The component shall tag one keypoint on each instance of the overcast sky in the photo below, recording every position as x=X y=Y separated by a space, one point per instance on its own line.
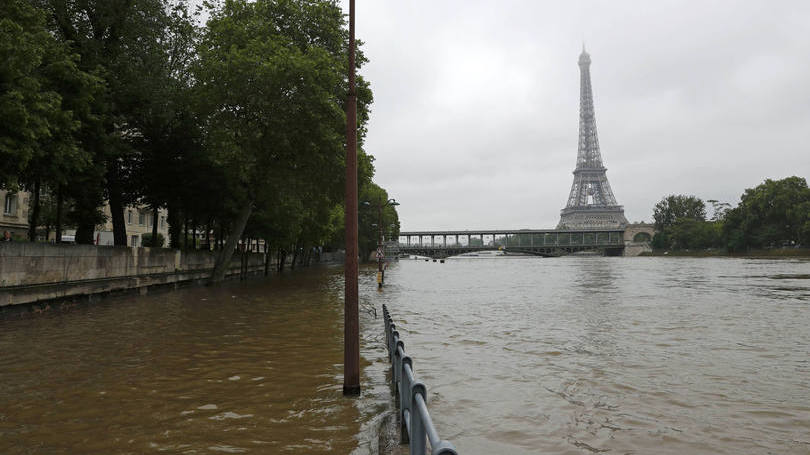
x=475 y=115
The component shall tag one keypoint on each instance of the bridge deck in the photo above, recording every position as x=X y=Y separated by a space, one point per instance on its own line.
x=546 y=242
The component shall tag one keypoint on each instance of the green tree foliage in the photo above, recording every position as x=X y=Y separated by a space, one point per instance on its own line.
x=43 y=98
x=377 y=218
x=775 y=213
x=675 y=207
x=270 y=81
x=120 y=42
x=237 y=128
x=680 y=222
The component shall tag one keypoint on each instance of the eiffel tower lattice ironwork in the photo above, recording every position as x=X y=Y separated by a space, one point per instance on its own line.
x=591 y=203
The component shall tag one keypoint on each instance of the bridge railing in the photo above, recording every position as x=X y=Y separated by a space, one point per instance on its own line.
x=416 y=426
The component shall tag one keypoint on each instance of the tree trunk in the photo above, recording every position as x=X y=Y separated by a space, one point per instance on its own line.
x=242 y=262
x=116 y=207
x=266 y=259
x=224 y=257
x=155 y=227
x=208 y=234
x=282 y=258
x=86 y=200
x=185 y=233
x=84 y=233
x=295 y=256
x=32 y=225
x=173 y=217
x=193 y=234
x=58 y=226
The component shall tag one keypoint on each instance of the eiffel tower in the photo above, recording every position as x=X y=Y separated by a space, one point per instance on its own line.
x=591 y=204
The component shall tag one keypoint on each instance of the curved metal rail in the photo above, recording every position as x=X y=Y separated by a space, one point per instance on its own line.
x=416 y=426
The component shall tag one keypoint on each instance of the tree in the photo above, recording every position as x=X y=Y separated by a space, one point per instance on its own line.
x=373 y=200
x=25 y=105
x=719 y=209
x=45 y=99
x=674 y=207
x=270 y=78
x=775 y=213
x=169 y=145
x=116 y=40
x=689 y=233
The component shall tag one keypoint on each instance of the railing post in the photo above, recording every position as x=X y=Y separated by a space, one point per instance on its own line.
x=394 y=333
x=398 y=364
x=418 y=437
x=405 y=402
x=392 y=349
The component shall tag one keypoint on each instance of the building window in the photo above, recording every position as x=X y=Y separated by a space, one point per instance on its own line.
x=129 y=216
x=134 y=242
x=10 y=207
x=141 y=218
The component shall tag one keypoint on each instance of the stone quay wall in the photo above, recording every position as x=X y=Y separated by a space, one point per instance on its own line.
x=38 y=272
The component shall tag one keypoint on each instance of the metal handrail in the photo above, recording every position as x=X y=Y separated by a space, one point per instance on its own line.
x=416 y=426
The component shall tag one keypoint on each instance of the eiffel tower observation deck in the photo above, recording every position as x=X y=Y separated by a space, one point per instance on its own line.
x=591 y=203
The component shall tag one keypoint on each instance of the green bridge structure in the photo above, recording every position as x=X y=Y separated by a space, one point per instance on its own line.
x=538 y=242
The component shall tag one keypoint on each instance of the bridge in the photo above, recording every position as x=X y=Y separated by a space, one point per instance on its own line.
x=538 y=242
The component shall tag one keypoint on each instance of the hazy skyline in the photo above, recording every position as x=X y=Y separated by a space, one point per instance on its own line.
x=475 y=115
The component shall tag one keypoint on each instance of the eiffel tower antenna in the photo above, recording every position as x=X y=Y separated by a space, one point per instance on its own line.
x=591 y=203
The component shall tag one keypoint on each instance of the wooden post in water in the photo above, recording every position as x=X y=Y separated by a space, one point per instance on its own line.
x=351 y=317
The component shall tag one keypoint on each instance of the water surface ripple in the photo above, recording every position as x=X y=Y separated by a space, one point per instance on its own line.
x=253 y=367
x=617 y=355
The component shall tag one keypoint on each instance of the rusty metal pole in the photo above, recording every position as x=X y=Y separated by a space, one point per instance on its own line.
x=351 y=318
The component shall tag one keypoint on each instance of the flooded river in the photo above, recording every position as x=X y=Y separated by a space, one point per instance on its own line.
x=520 y=356
x=616 y=355
x=252 y=367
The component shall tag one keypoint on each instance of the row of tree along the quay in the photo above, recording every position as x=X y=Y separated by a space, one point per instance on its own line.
x=236 y=127
x=772 y=218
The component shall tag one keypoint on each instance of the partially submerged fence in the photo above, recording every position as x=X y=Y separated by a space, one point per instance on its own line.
x=416 y=426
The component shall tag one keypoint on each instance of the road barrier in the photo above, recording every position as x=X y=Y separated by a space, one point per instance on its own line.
x=416 y=426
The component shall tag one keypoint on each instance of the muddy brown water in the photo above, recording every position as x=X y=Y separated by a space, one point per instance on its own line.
x=252 y=367
x=520 y=356
x=611 y=355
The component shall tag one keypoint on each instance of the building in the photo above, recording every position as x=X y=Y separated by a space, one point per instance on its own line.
x=14 y=218
x=137 y=219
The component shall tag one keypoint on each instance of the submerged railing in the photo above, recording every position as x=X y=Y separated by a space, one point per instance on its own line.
x=415 y=423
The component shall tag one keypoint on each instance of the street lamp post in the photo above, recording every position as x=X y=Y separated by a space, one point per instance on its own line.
x=351 y=312
x=381 y=240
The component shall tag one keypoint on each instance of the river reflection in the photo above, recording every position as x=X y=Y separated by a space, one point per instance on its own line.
x=619 y=355
x=252 y=367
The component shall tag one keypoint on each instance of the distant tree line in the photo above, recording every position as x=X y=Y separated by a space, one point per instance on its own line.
x=237 y=127
x=774 y=214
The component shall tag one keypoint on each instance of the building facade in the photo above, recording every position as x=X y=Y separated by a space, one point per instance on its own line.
x=14 y=217
x=137 y=219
